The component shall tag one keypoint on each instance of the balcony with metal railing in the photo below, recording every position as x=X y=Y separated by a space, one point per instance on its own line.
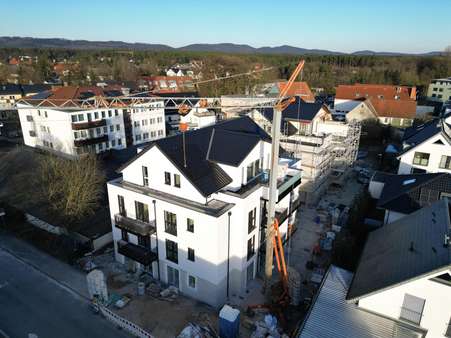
x=88 y=124
x=90 y=141
x=137 y=253
x=134 y=225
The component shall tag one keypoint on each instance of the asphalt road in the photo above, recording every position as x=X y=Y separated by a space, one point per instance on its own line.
x=31 y=302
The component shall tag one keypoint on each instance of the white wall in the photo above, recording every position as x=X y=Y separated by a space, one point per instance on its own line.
x=157 y=164
x=151 y=122
x=436 y=313
x=435 y=150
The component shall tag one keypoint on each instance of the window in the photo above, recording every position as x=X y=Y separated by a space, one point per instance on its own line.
x=172 y=251
x=124 y=235
x=190 y=225
x=160 y=133
x=98 y=131
x=109 y=113
x=421 y=159
x=100 y=146
x=119 y=142
x=167 y=178
x=116 y=112
x=29 y=118
x=138 y=137
x=111 y=128
x=118 y=127
x=251 y=220
x=152 y=121
x=105 y=129
x=170 y=223
x=136 y=124
x=145 y=176
x=412 y=309
x=32 y=133
x=113 y=143
x=142 y=211
x=250 y=247
x=253 y=169
x=191 y=282
x=103 y=114
x=145 y=136
x=81 y=117
x=445 y=162
x=176 y=180
x=191 y=255
x=74 y=118
x=144 y=122
x=153 y=134
x=159 y=119
x=96 y=115
x=45 y=114
x=89 y=116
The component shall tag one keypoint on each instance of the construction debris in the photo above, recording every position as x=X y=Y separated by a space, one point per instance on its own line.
x=170 y=293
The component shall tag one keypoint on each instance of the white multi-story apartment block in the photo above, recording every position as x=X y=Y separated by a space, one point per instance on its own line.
x=72 y=132
x=427 y=148
x=401 y=287
x=190 y=209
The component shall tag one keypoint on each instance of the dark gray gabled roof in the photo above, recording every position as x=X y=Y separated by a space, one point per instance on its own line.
x=299 y=110
x=204 y=173
x=407 y=249
x=235 y=152
x=414 y=136
x=407 y=193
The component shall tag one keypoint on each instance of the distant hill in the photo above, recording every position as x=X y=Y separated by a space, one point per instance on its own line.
x=28 y=42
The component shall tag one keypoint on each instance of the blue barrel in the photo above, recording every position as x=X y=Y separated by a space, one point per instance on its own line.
x=229 y=322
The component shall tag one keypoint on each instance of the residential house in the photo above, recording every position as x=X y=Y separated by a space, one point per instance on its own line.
x=427 y=148
x=72 y=127
x=298 y=88
x=394 y=105
x=400 y=195
x=199 y=116
x=401 y=288
x=191 y=209
x=169 y=84
x=439 y=90
x=174 y=72
x=326 y=148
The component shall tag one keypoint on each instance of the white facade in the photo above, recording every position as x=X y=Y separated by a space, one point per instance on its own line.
x=96 y=130
x=433 y=155
x=225 y=251
x=198 y=118
x=436 y=314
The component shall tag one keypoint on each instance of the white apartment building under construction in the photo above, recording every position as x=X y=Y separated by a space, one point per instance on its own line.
x=190 y=209
x=76 y=125
x=326 y=148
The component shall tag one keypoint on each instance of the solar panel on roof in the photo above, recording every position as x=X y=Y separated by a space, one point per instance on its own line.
x=42 y=95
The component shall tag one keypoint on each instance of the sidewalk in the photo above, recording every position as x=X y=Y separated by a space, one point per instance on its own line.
x=61 y=272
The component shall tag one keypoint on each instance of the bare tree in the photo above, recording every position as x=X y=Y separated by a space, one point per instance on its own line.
x=71 y=188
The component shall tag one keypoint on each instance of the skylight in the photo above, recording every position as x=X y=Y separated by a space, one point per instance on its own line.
x=407 y=182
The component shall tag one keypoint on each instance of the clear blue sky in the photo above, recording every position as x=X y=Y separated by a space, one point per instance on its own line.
x=341 y=25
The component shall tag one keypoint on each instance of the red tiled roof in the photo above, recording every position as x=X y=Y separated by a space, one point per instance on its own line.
x=298 y=88
x=361 y=91
x=395 y=108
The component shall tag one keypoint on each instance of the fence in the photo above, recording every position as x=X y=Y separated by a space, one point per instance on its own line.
x=134 y=329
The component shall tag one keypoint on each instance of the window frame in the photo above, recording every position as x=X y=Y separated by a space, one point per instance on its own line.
x=177 y=180
x=145 y=173
x=170 y=223
x=191 y=255
x=190 y=225
x=250 y=247
x=171 y=249
x=142 y=211
x=252 y=220
x=418 y=160
x=167 y=178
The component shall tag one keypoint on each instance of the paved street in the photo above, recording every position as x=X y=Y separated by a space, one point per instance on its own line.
x=31 y=302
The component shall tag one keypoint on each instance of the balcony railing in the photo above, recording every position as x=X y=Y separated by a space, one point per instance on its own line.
x=89 y=124
x=135 y=226
x=90 y=141
x=137 y=253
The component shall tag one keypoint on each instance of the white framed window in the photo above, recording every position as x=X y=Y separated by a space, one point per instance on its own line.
x=192 y=282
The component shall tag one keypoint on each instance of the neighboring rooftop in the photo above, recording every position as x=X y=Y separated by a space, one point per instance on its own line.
x=408 y=193
x=298 y=88
x=402 y=251
x=233 y=137
x=331 y=316
x=299 y=110
x=361 y=91
x=421 y=133
x=18 y=89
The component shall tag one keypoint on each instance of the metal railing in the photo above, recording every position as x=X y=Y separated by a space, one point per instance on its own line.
x=135 y=225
